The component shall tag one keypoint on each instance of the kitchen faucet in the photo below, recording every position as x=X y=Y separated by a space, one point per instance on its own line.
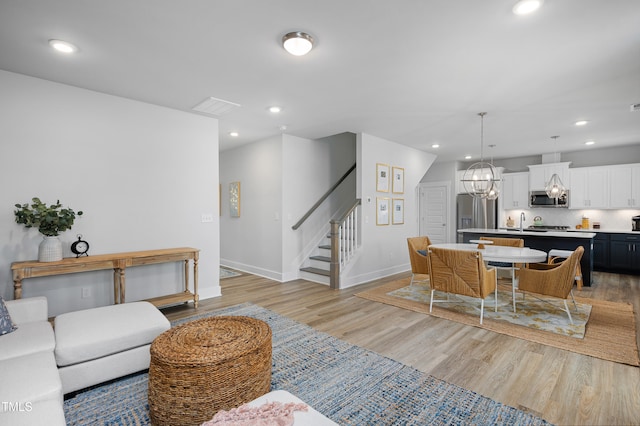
x=522 y=219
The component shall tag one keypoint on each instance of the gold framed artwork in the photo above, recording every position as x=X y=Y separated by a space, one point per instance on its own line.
x=234 y=199
x=398 y=180
x=382 y=211
x=382 y=177
x=397 y=216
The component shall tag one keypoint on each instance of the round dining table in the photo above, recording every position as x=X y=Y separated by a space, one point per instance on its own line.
x=494 y=253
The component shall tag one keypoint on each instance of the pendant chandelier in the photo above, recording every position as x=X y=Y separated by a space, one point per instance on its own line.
x=554 y=188
x=480 y=180
x=494 y=191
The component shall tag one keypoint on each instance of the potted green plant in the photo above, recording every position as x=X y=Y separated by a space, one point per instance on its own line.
x=51 y=221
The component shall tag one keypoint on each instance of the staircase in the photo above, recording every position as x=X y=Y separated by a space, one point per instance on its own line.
x=325 y=264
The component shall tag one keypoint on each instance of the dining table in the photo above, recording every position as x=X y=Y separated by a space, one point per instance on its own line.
x=505 y=254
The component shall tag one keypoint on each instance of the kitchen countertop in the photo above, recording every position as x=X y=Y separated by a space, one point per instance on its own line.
x=516 y=231
x=606 y=231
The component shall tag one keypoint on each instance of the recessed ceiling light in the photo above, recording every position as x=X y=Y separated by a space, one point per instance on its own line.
x=297 y=43
x=524 y=7
x=275 y=109
x=467 y=157
x=63 y=46
x=589 y=143
x=435 y=145
x=282 y=127
x=581 y=122
x=234 y=134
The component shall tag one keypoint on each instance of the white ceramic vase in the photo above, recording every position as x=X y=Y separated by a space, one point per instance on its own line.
x=50 y=250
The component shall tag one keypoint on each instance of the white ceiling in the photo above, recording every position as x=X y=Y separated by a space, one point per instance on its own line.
x=416 y=72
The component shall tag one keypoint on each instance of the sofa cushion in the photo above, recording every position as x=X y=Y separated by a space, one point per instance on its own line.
x=30 y=378
x=6 y=325
x=94 y=333
x=28 y=339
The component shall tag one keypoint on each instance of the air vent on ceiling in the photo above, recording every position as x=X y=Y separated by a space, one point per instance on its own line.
x=215 y=106
x=635 y=107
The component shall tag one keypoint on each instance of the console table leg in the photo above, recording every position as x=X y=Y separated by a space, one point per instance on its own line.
x=195 y=281
x=17 y=289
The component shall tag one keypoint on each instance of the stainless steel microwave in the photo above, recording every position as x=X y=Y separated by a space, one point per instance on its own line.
x=541 y=199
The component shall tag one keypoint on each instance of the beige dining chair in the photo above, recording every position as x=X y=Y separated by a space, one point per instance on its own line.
x=418 y=247
x=555 y=280
x=461 y=272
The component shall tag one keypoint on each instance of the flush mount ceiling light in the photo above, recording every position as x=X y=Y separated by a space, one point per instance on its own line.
x=63 y=46
x=297 y=43
x=525 y=7
x=480 y=180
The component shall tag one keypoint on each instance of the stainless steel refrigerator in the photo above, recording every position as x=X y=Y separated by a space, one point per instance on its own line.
x=474 y=212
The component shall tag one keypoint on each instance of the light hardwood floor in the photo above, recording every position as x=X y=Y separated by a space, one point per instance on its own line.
x=560 y=386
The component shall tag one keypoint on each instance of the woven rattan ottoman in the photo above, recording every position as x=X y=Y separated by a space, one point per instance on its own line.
x=208 y=365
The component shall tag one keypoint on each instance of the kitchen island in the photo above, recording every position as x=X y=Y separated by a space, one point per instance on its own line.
x=543 y=240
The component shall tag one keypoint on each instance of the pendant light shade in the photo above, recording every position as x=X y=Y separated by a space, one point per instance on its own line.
x=554 y=188
x=480 y=180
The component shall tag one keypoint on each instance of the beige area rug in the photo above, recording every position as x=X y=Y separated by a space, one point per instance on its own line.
x=610 y=332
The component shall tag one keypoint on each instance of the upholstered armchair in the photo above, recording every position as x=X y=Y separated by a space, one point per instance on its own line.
x=461 y=272
x=555 y=280
x=418 y=247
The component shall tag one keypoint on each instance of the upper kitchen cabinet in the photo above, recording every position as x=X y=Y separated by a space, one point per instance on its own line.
x=589 y=188
x=540 y=174
x=625 y=186
x=515 y=190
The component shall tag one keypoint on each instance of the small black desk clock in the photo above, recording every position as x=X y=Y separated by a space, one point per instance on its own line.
x=80 y=247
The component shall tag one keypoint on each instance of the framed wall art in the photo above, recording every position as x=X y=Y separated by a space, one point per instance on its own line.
x=398 y=180
x=382 y=211
x=234 y=199
x=397 y=217
x=382 y=177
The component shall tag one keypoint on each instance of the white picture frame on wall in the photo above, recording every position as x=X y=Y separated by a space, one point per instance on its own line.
x=382 y=177
x=382 y=211
x=398 y=180
x=397 y=217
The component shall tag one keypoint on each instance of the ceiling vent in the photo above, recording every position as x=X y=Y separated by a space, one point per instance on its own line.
x=635 y=107
x=214 y=106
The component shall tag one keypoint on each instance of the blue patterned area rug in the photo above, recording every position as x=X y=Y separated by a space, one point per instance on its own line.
x=349 y=384
x=228 y=273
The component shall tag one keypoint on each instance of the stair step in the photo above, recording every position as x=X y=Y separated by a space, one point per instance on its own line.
x=320 y=258
x=325 y=246
x=316 y=271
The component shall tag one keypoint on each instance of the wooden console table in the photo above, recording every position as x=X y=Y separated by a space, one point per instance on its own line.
x=118 y=262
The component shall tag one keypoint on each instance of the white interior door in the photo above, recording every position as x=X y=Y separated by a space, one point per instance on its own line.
x=434 y=211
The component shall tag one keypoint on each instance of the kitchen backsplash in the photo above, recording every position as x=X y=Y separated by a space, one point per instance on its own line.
x=609 y=219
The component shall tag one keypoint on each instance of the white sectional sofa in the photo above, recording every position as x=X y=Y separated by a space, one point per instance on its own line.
x=39 y=365
x=31 y=391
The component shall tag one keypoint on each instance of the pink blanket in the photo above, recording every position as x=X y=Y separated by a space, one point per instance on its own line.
x=267 y=414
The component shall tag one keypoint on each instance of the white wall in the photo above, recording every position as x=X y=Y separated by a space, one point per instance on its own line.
x=310 y=168
x=142 y=174
x=253 y=242
x=384 y=248
x=281 y=178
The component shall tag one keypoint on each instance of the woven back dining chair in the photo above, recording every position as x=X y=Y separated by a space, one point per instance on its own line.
x=418 y=247
x=555 y=280
x=461 y=272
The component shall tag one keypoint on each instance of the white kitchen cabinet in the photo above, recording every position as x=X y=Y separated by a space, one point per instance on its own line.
x=515 y=191
x=624 y=186
x=459 y=184
x=589 y=188
x=540 y=174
